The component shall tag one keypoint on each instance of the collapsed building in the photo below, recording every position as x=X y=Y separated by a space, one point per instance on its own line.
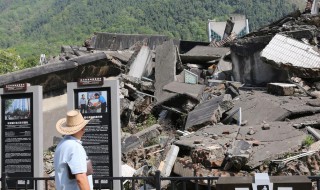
x=231 y=108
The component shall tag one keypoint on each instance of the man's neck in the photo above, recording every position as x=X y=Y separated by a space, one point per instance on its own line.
x=77 y=136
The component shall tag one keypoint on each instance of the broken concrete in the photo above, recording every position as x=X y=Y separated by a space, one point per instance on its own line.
x=274 y=143
x=111 y=41
x=165 y=71
x=166 y=166
x=254 y=102
x=193 y=90
x=141 y=66
x=209 y=136
x=281 y=89
x=210 y=156
x=137 y=140
x=203 y=54
x=299 y=58
x=206 y=113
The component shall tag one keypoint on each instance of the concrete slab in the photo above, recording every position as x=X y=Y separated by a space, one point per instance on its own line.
x=112 y=41
x=123 y=56
x=165 y=69
x=281 y=89
x=266 y=105
x=280 y=139
x=141 y=65
x=203 y=54
x=208 y=136
x=195 y=90
x=206 y=113
x=208 y=51
x=297 y=57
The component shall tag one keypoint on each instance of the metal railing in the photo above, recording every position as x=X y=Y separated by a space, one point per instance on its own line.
x=135 y=182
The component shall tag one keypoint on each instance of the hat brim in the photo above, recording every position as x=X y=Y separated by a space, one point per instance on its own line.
x=65 y=130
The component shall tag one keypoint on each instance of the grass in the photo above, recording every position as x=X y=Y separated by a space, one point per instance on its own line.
x=308 y=141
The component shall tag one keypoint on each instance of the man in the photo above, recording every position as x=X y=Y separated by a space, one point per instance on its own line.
x=83 y=103
x=70 y=153
x=101 y=102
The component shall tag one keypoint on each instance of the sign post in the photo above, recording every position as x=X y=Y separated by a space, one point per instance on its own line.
x=98 y=100
x=21 y=134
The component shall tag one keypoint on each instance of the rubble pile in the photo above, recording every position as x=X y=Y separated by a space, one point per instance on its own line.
x=230 y=111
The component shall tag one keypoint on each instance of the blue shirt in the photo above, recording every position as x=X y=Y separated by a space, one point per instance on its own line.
x=101 y=99
x=69 y=151
x=83 y=101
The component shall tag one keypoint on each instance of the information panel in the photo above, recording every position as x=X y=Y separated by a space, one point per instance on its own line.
x=94 y=104
x=17 y=137
x=98 y=100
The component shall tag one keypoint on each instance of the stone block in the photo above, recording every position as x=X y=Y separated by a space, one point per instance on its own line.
x=281 y=89
x=209 y=157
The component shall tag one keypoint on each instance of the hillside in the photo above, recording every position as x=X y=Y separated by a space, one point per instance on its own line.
x=42 y=26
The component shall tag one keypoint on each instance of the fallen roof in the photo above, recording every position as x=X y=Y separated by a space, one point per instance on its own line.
x=54 y=76
x=165 y=69
x=288 y=53
x=203 y=54
x=111 y=41
x=195 y=90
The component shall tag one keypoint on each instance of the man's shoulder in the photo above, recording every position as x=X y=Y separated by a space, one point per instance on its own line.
x=69 y=142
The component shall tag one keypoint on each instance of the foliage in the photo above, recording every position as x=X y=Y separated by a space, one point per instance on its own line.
x=10 y=61
x=151 y=142
x=309 y=140
x=151 y=120
x=8 y=103
x=34 y=27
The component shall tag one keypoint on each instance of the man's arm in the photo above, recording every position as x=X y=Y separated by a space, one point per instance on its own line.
x=82 y=181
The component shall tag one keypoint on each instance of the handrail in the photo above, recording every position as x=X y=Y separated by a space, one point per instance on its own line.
x=156 y=179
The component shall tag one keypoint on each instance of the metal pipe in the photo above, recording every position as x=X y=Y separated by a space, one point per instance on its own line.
x=313 y=132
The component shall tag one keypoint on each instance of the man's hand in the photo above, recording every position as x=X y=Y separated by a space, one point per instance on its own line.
x=82 y=181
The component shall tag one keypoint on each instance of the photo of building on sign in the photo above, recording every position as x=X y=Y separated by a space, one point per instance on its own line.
x=17 y=109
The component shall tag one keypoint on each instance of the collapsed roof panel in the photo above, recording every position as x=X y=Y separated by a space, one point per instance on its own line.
x=165 y=69
x=203 y=54
x=123 y=56
x=142 y=63
x=195 y=90
x=275 y=142
x=111 y=41
x=207 y=50
x=205 y=113
x=297 y=57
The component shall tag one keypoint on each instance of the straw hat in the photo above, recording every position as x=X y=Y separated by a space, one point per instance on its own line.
x=72 y=124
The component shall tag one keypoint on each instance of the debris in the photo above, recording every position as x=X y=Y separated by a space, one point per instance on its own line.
x=167 y=165
x=286 y=160
x=314 y=133
x=165 y=69
x=203 y=54
x=206 y=113
x=141 y=66
x=251 y=131
x=299 y=58
x=209 y=157
x=281 y=89
x=265 y=126
x=193 y=90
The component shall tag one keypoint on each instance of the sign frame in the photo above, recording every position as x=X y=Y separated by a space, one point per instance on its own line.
x=72 y=91
x=37 y=127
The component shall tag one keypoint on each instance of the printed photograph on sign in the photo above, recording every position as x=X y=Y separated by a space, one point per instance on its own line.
x=92 y=102
x=16 y=109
